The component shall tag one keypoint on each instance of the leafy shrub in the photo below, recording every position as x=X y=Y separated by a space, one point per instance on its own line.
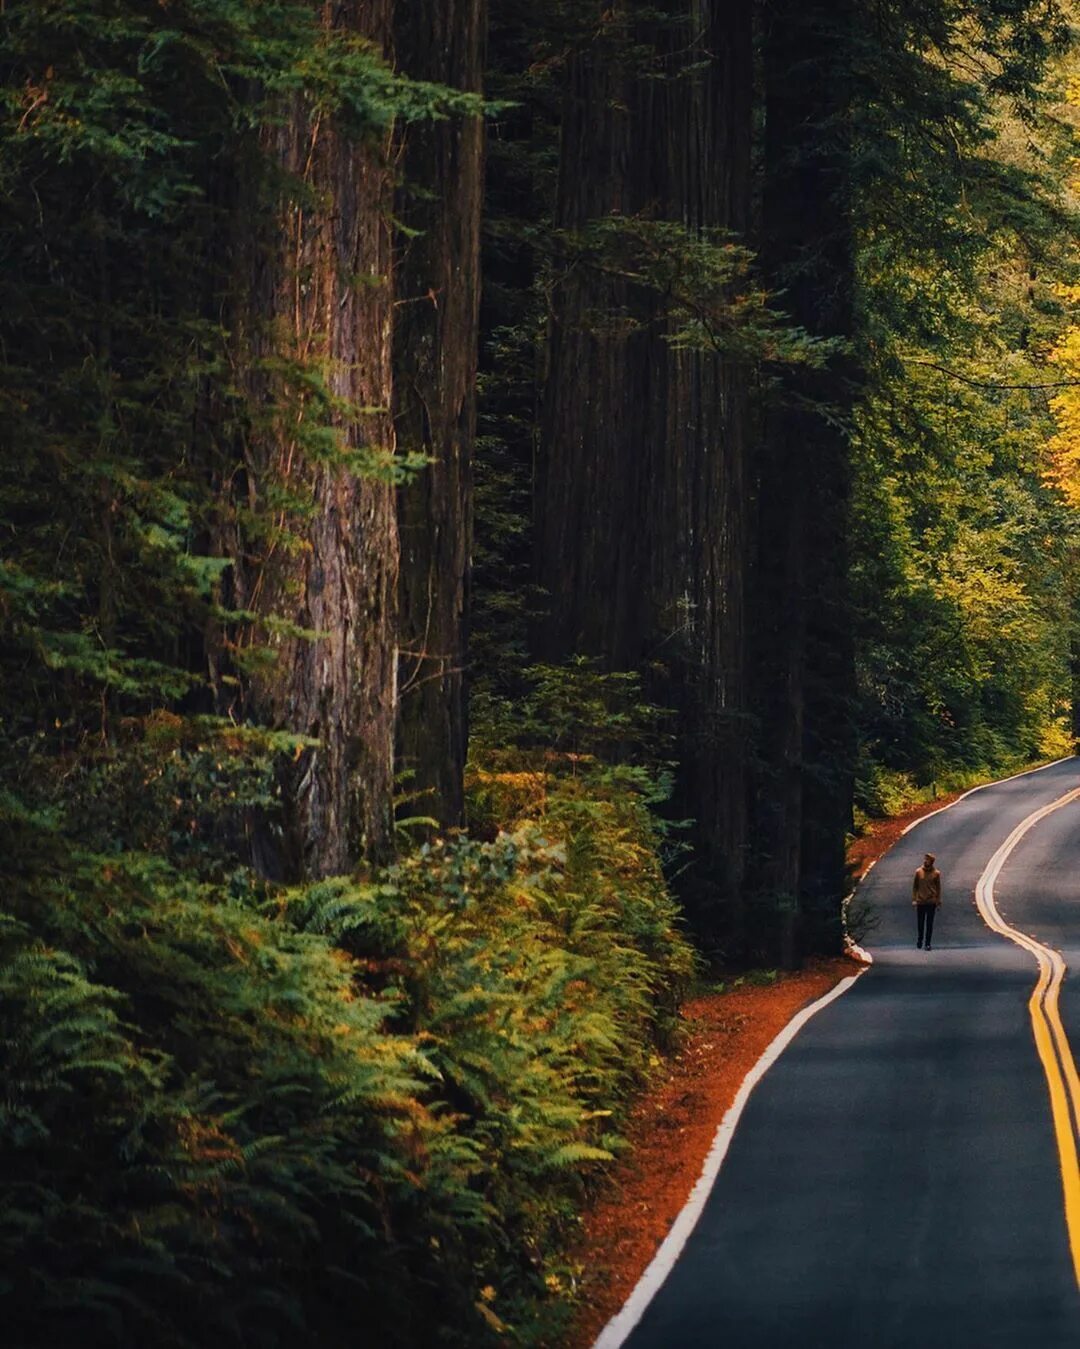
x=211 y=1135
x=536 y=976
x=244 y=1115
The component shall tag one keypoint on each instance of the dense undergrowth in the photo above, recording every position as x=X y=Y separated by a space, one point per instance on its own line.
x=881 y=792
x=237 y=1113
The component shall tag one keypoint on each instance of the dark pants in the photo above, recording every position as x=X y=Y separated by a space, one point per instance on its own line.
x=924 y=914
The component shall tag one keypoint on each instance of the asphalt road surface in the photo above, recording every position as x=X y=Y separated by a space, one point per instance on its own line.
x=895 y=1180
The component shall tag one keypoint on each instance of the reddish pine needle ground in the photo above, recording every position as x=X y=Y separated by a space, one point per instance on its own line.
x=672 y=1128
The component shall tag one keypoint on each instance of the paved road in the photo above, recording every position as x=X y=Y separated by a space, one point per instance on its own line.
x=894 y=1182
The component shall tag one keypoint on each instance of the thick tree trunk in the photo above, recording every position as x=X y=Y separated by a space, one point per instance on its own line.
x=805 y=666
x=435 y=357
x=641 y=526
x=321 y=295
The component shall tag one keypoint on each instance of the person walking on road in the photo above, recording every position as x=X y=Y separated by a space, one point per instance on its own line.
x=926 y=896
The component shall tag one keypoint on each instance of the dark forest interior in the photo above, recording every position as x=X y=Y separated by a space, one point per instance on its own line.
x=492 y=498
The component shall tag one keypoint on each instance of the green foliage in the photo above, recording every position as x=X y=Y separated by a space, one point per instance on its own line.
x=962 y=554
x=583 y=757
x=575 y=708
x=703 y=285
x=575 y=761
x=236 y=1115
x=388 y=1092
x=536 y=976
x=128 y=136
x=209 y=1133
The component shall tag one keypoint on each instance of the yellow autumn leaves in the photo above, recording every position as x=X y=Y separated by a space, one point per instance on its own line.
x=1062 y=468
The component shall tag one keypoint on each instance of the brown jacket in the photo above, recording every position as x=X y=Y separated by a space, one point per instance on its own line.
x=926 y=887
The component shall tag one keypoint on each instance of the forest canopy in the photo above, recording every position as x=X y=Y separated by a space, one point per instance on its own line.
x=490 y=500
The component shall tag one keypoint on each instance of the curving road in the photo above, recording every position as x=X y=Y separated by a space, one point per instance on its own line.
x=896 y=1180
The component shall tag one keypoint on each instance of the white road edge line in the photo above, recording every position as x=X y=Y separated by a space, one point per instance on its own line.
x=618 y=1329
x=981 y=788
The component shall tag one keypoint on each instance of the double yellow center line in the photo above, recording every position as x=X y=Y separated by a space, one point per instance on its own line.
x=1050 y=1038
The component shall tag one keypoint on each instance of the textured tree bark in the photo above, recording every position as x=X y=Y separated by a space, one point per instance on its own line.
x=435 y=359
x=805 y=662
x=642 y=507
x=321 y=293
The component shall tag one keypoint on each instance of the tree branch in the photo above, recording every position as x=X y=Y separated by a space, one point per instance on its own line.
x=995 y=384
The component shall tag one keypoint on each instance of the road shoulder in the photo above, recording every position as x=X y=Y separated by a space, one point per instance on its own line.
x=672 y=1128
